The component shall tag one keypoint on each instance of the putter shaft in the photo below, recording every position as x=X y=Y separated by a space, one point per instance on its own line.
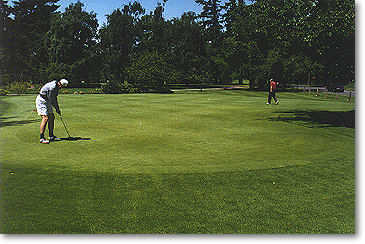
x=64 y=125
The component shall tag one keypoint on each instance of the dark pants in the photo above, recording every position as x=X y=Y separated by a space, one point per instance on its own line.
x=272 y=95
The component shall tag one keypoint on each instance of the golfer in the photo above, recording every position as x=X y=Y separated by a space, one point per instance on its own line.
x=45 y=100
x=272 y=91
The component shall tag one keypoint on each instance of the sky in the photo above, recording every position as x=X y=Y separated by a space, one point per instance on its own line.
x=173 y=8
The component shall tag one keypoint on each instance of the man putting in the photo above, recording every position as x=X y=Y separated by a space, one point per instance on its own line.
x=272 y=91
x=45 y=100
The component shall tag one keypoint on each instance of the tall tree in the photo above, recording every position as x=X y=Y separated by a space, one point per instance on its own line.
x=31 y=20
x=211 y=24
x=211 y=20
x=72 y=45
x=236 y=12
x=332 y=34
x=308 y=38
x=5 y=22
x=155 y=30
x=119 y=40
x=186 y=48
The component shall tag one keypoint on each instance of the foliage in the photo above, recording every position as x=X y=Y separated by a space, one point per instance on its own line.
x=130 y=88
x=56 y=71
x=150 y=70
x=72 y=45
x=19 y=87
x=81 y=90
x=3 y=92
x=300 y=41
x=186 y=49
x=4 y=41
x=115 y=87
x=111 y=87
x=118 y=40
x=25 y=36
x=211 y=21
x=316 y=35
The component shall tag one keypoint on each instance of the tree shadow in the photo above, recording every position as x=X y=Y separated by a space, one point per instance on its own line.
x=319 y=118
x=4 y=121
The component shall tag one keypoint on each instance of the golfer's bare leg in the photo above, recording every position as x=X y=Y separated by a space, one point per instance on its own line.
x=43 y=124
x=50 y=124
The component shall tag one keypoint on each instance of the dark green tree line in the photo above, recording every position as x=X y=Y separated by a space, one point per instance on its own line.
x=294 y=41
x=300 y=41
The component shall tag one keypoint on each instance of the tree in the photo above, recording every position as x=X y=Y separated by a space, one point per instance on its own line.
x=151 y=70
x=276 y=36
x=211 y=21
x=119 y=40
x=31 y=20
x=235 y=44
x=249 y=43
x=186 y=48
x=211 y=24
x=5 y=21
x=72 y=45
x=155 y=31
x=334 y=38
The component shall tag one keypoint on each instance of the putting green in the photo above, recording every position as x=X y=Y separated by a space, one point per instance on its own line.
x=213 y=162
x=179 y=133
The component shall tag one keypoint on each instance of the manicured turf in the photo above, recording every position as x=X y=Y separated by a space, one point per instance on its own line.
x=211 y=162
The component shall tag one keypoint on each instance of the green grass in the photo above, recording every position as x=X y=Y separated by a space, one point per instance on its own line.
x=190 y=162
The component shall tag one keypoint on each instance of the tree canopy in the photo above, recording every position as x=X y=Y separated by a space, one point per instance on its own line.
x=294 y=41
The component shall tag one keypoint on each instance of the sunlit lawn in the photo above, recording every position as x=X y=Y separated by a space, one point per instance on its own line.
x=210 y=162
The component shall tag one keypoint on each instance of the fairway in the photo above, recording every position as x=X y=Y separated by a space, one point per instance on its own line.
x=189 y=162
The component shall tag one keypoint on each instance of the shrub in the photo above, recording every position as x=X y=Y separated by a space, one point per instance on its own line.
x=111 y=87
x=96 y=91
x=150 y=70
x=3 y=92
x=115 y=87
x=19 y=87
x=129 y=88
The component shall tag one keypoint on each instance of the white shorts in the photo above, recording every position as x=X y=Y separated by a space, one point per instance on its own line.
x=43 y=107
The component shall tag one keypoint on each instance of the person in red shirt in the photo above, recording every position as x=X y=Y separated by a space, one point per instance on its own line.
x=272 y=91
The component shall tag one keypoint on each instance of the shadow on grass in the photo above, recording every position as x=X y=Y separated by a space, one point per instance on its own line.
x=60 y=200
x=75 y=139
x=4 y=121
x=320 y=118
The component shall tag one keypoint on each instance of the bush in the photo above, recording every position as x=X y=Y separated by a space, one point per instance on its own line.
x=129 y=88
x=111 y=87
x=115 y=87
x=19 y=87
x=3 y=92
x=150 y=70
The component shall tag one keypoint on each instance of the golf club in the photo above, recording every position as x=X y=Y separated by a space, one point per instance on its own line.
x=64 y=125
x=70 y=138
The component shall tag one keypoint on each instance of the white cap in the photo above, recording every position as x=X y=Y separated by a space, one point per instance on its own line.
x=64 y=82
